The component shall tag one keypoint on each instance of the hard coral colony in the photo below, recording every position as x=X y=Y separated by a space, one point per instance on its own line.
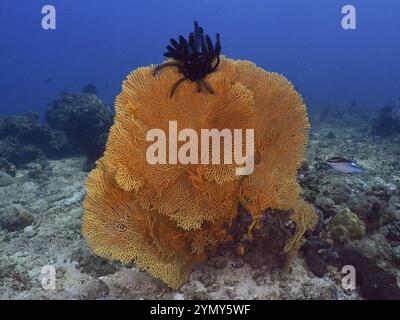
x=165 y=218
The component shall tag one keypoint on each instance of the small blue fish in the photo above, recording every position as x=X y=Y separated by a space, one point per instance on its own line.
x=344 y=165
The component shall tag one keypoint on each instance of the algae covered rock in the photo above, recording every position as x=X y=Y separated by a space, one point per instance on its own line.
x=345 y=226
x=15 y=218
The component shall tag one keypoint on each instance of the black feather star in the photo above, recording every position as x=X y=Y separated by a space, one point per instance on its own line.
x=195 y=58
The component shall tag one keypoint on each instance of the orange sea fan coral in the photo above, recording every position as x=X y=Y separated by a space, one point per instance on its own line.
x=174 y=213
x=117 y=228
x=281 y=135
x=187 y=193
x=305 y=218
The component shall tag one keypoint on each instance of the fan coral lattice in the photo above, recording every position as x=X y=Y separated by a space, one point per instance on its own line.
x=165 y=218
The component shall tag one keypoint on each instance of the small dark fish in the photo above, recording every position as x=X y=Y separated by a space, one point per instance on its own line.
x=344 y=165
x=47 y=81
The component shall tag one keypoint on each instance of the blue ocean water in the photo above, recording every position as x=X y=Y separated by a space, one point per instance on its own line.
x=100 y=42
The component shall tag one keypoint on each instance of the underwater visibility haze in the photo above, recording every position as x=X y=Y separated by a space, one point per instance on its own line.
x=114 y=179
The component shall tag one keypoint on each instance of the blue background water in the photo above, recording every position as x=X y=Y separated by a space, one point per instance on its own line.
x=101 y=41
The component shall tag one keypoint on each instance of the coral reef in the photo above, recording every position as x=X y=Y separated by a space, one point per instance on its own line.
x=18 y=153
x=165 y=218
x=252 y=270
x=24 y=139
x=20 y=126
x=345 y=226
x=201 y=228
x=372 y=198
x=84 y=119
x=75 y=123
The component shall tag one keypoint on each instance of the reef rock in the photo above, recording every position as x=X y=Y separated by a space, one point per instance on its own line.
x=85 y=120
x=374 y=281
x=346 y=225
x=318 y=254
x=24 y=139
x=19 y=153
x=15 y=218
x=17 y=125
